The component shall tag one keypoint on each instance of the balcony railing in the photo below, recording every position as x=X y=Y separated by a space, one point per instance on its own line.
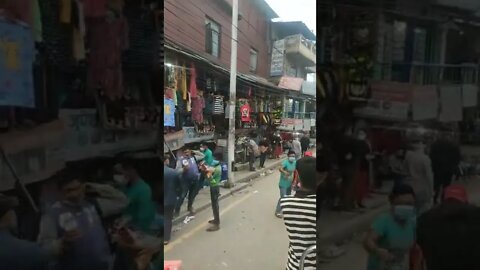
x=427 y=74
x=299 y=45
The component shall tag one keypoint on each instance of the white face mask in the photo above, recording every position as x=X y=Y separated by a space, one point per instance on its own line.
x=291 y=159
x=120 y=179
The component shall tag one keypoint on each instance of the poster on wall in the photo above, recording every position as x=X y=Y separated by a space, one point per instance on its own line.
x=425 y=103
x=451 y=103
x=16 y=65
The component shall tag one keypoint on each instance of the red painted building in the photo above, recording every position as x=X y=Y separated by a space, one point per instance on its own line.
x=204 y=27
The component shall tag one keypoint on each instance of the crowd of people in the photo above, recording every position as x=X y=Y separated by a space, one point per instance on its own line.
x=73 y=234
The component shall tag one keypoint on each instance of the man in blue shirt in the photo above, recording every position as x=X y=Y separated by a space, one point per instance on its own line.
x=190 y=175
x=16 y=254
x=171 y=190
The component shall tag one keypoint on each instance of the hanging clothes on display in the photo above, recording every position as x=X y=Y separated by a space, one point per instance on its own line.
x=107 y=39
x=193 y=82
x=16 y=65
x=245 y=112
x=168 y=113
x=198 y=104
x=183 y=83
x=218 y=106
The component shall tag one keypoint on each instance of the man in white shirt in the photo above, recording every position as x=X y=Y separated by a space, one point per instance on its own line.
x=297 y=147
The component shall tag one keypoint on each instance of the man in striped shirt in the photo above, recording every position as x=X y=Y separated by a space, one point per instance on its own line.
x=300 y=216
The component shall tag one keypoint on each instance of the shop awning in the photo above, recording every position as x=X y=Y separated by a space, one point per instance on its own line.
x=291 y=83
x=248 y=79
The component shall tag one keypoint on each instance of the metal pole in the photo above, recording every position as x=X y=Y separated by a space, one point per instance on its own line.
x=233 y=95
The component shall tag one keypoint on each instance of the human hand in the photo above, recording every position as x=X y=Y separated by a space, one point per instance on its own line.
x=71 y=236
x=384 y=255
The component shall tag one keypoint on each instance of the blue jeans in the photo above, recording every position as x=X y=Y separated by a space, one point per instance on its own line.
x=283 y=193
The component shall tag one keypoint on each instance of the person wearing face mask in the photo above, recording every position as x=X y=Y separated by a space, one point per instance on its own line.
x=213 y=175
x=208 y=158
x=17 y=254
x=420 y=175
x=391 y=237
x=286 y=178
x=141 y=209
x=74 y=226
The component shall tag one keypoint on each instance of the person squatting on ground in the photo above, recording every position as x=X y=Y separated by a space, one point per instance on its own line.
x=74 y=226
x=172 y=188
x=392 y=235
x=287 y=170
x=213 y=175
x=449 y=233
x=263 y=148
x=300 y=213
x=190 y=176
x=253 y=153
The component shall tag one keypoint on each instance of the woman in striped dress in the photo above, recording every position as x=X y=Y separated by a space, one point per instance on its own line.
x=300 y=215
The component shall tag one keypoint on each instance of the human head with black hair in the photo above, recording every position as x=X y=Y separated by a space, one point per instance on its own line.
x=306 y=168
x=402 y=200
x=127 y=170
x=72 y=185
x=291 y=156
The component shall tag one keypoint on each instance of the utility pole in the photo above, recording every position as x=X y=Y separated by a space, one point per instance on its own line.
x=233 y=95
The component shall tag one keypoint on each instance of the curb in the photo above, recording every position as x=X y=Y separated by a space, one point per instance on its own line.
x=240 y=185
x=353 y=226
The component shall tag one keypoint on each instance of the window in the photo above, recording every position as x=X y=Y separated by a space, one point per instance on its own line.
x=212 y=38
x=253 y=60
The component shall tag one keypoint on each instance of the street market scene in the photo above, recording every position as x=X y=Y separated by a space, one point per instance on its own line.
x=80 y=149
x=239 y=129
x=397 y=115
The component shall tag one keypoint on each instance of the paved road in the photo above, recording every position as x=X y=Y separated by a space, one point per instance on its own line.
x=251 y=237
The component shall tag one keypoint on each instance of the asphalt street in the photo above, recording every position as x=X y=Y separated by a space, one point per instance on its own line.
x=251 y=237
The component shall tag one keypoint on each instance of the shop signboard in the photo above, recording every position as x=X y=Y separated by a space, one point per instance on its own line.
x=85 y=138
x=276 y=68
x=291 y=124
x=384 y=110
x=35 y=156
x=291 y=83
x=191 y=136
x=391 y=91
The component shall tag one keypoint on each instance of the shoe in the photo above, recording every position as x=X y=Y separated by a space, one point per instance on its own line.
x=278 y=215
x=213 y=221
x=166 y=243
x=213 y=228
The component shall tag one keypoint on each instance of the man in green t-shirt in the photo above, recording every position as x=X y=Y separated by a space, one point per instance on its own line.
x=286 y=178
x=140 y=209
x=213 y=175
x=208 y=154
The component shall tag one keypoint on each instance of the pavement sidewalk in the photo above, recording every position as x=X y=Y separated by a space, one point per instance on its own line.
x=242 y=180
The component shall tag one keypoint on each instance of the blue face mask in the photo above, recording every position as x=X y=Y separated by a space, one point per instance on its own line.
x=404 y=212
x=291 y=159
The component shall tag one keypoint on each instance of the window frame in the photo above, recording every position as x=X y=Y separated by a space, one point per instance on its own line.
x=212 y=27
